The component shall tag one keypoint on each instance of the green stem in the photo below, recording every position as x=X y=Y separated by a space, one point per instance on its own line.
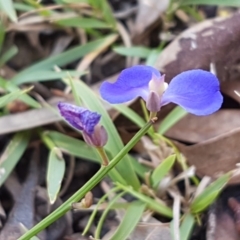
x=151 y=130
x=66 y=206
x=103 y=156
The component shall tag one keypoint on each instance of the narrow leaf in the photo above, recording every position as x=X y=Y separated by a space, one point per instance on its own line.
x=187 y=227
x=136 y=51
x=12 y=96
x=80 y=22
x=13 y=154
x=208 y=196
x=55 y=173
x=156 y=206
x=43 y=75
x=10 y=53
x=162 y=170
x=60 y=59
x=129 y=222
x=10 y=87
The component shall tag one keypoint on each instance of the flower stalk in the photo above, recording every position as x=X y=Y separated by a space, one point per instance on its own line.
x=103 y=156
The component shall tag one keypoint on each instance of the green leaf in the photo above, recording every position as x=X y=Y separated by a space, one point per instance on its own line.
x=10 y=87
x=10 y=53
x=208 y=196
x=23 y=7
x=12 y=96
x=73 y=146
x=7 y=7
x=152 y=57
x=162 y=170
x=60 y=59
x=55 y=173
x=13 y=154
x=80 y=22
x=230 y=3
x=136 y=51
x=114 y=144
x=43 y=75
x=187 y=227
x=139 y=168
x=172 y=118
x=129 y=222
x=104 y=9
x=156 y=206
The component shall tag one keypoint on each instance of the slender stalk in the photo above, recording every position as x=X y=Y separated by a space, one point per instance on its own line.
x=66 y=206
x=103 y=156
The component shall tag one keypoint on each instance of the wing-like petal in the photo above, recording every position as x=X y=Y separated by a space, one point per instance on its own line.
x=197 y=91
x=131 y=83
x=79 y=117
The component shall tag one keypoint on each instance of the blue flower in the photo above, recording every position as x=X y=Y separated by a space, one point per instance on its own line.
x=197 y=91
x=86 y=121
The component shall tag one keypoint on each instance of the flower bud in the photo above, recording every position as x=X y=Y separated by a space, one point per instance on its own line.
x=98 y=138
x=153 y=102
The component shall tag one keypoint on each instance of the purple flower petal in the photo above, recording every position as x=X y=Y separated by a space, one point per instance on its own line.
x=131 y=83
x=79 y=117
x=197 y=91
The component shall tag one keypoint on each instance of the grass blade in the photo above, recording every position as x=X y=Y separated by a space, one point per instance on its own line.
x=43 y=75
x=10 y=87
x=80 y=22
x=208 y=196
x=187 y=226
x=136 y=51
x=162 y=170
x=12 y=96
x=60 y=59
x=10 y=53
x=129 y=222
x=13 y=154
x=152 y=204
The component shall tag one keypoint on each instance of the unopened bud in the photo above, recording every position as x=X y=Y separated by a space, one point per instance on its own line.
x=98 y=138
x=153 y=102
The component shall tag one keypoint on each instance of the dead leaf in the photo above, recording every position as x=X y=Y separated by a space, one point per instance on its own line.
x=230 y=88
x=222 y=223
x=151 y=230
x=211 y=41
x=197 y=129
x=215 y=156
